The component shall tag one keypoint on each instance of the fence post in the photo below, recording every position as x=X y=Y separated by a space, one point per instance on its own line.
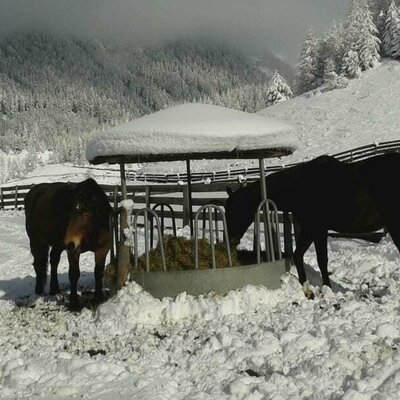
x=147 y=190
x=1 y=199
x=287 y=239
x=186 y=211
x=16 y=198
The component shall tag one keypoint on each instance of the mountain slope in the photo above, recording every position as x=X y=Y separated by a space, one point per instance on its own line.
x=364 y=112
x=54 y=91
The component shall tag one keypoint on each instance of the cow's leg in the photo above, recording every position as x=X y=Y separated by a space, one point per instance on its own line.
x=73 y=274
x=40 y=254
x=100 y=260
x=303 y=242
x=55 y=254
x=394 y=234
x=321 y=247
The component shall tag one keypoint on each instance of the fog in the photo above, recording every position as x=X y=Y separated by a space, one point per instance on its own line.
x=250 y=25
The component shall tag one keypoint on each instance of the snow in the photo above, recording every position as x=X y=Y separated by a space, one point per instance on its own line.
x=192 y=128
x=252 y=343
x=330 y=122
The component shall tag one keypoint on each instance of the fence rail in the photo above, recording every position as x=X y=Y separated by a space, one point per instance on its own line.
x=175 y=194
x=356 y=154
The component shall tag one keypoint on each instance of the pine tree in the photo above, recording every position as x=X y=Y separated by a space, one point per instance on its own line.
x=332 y=47
x=309 y=74
x=330 y=76
x=369 y=42
x=391 y=33
x=361 y=43
x=351 y=64
x=278 y=90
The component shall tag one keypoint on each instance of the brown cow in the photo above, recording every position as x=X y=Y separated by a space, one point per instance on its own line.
x=72 y=217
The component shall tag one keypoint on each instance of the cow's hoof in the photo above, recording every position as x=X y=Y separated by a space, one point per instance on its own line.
x=99 y=297
x=54 y=292
x=39 y=290
x=74 y=304
x=308 y=291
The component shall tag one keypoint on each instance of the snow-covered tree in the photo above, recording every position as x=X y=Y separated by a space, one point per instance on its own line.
x=332 y=47
x=278 y=90
x=309 y=73
x=351 y=64
x=369 y=42
x=361 y=43
x=391 y=32
x=330 y=76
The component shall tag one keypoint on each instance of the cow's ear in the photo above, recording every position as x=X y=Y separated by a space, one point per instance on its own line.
x=229 y=190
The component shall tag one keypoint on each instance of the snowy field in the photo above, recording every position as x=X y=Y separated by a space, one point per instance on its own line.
x=250 y=344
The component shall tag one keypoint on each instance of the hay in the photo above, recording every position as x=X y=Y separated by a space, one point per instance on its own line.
x=179 y=255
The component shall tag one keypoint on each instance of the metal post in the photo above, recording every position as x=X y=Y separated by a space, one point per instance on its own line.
x=267 y=222
x=190 y=206
x=288 y=242
x=16 y=198
x=123 y=251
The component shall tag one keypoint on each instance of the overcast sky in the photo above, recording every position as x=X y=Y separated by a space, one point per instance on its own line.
x=252 y=25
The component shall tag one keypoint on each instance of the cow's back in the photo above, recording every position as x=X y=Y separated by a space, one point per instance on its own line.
x=46 y=209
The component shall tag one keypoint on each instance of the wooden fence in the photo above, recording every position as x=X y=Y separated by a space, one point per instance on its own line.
x=177 y=196
x=356 y=154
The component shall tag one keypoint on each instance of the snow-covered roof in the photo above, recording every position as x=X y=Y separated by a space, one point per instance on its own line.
x=192 y=131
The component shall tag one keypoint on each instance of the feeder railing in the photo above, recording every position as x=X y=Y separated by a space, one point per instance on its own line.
x=210 y=208
x=217 y=202
x=145 y=212
x=162 y=218
x=272 y=245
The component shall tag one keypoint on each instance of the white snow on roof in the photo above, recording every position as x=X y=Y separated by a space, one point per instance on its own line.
x=192 y=128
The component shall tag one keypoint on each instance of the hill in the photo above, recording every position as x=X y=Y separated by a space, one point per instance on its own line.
x=364 y=112
x=55 y=91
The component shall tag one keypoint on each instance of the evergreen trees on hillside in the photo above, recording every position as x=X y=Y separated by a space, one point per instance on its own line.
x=278 y=90
x=371 y=30
x=55 y=92
x=309 y=68
x=391 y=32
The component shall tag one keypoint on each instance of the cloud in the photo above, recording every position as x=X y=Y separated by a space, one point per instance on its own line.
x=249 y=24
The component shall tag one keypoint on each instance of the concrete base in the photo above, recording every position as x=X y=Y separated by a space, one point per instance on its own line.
x=221 y=280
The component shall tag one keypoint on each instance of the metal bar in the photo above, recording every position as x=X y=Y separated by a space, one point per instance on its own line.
x=162 y=219
x=277 y=234
x=145 y=212
x=123 y=181
x=211 y=228
x=216 y=225
x=111 y=230
x=135 y=239
x=196 y=241
x=257 y=240
x=267 y=220
x=146 y=239
x=123 y=251
x=228 y=247
x=204 y=224
x=201 y=210
x=189 y=184
x=16 y=198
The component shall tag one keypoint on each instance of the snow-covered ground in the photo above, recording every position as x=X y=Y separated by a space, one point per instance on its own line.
x=365 y=112
x=250 y=344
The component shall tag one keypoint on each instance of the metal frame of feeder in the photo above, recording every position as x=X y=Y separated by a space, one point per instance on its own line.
x=145 y=212
x=266 y=273
x=210 y=208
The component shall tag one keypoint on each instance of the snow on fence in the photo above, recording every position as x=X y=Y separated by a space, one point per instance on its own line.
x=356 y=154
x=176 y=195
